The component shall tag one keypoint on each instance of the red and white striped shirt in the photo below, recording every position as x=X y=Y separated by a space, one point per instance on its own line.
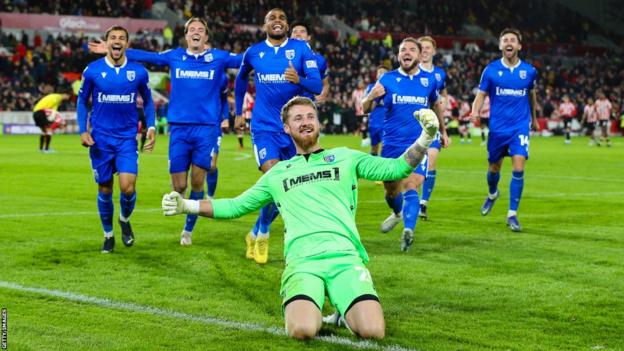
x=567 y=109
x=591 y=113
x=603 y=107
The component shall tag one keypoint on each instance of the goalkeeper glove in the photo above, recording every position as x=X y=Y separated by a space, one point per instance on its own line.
x=429 y=122
x=173 y=204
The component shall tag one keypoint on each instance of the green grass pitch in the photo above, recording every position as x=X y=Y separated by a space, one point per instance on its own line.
x=468 y=283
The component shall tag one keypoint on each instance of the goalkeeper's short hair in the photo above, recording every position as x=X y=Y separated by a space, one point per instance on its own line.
x=297 y=100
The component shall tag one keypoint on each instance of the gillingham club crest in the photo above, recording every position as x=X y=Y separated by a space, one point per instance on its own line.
x=130 y=75
x=523 y=74
x=329 y=158
x=438 y=77
x=424 y=82
x=208 y=58
x=290 y=54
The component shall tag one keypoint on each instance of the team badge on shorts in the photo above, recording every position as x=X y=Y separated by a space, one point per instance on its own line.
x=290 y=54
x=130 y=75
x=523 y=74
x=208 y=57
x=424 y=82
x=96 y=175
x=262 y=153
x=329 y=158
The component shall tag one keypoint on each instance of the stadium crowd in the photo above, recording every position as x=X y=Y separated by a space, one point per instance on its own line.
x=30 y=67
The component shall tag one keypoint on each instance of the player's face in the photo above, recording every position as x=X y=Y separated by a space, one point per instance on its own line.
x=196 y=35
x=303 y=125
x=116 y=43
x=300 y=32
x=427 y=53
x=276 y=24
x=509 y=45
x=408 y=56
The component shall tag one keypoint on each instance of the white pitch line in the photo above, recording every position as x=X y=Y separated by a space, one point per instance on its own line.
x=69 y=213
x=242 y=156
x=132 y=307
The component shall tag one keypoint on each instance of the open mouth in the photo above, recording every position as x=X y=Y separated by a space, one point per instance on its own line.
x=306 y=131
x=408 y=60
x=277 y=28
x=116 y=49
x=196 y=39
x=509 y=49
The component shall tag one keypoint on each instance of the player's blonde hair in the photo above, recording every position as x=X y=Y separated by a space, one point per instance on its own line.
x=196 y=19
x=429 y=39
x=296 y=101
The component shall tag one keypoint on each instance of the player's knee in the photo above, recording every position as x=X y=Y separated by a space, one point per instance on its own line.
x=372 y=330
x=127 y=189
x=302 y=330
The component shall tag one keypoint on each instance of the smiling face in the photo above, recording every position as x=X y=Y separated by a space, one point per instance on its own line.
x=509 y=44
x=302 y=125
x=116 y=44
x=408 y=55
x=300 y=32
x=276 y=24
x=428 y=51
x=196 y=35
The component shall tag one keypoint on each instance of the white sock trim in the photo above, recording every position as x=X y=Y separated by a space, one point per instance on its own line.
x=108 y=234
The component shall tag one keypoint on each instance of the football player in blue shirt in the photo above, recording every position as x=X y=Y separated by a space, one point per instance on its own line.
x=428 y=45
x=194 y=114
x=377 y=112
x=301 y=31
x=510 y=84
x=283 y=69
x=405 y=91
x=112 y=84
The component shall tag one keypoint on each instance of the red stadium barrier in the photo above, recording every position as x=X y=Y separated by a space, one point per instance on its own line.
x=75 y=23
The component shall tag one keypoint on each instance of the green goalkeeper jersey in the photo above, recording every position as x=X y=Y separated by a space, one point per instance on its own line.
x=316 y=195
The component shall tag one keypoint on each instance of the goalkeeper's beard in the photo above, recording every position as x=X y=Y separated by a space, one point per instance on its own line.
x=306 y=142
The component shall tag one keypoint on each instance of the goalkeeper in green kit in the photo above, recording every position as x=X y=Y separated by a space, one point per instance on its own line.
x=316 y=194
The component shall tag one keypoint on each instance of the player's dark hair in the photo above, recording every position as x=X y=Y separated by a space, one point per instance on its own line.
x=116 y=28
x=301 y=24
x=275 y=9
x=513 y=31
x=196 y=19
x=412 y=40
x=296 y=101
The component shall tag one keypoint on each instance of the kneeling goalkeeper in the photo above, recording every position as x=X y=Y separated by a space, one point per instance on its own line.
x=316 y=194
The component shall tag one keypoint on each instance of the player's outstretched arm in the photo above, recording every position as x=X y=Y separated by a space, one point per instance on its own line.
x=240 y=88
x=174 y=204
x=251 y=200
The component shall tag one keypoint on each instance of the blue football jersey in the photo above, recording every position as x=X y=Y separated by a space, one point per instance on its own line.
x=196 y=81
x=322 y=66
x=508 y=88
x=439 y=74
x=377 y=115
x=272 y=89
x=113 y=91
x=405 y=95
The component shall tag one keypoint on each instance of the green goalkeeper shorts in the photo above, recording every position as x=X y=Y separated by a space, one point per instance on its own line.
x=343 y=278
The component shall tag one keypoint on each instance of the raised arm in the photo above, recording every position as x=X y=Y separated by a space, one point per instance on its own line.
x=377 y=168
x=378 y=90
